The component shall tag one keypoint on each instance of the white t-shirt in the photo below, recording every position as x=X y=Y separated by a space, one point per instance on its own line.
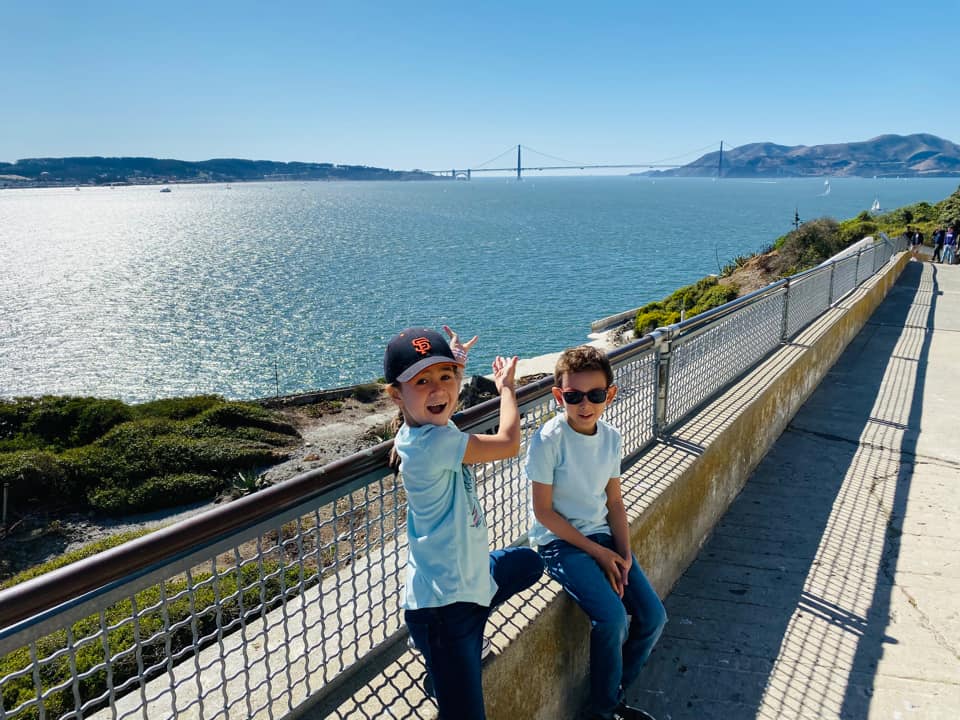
x=448 y=558
x=579 y=467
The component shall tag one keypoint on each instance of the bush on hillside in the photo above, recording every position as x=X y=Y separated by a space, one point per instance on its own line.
x=32 y=476
x=177 y=408
x=173 y=451
x=233 y=415
x=155 y=492
x=368 y=392
x=714 y=296
x=652 y=319
x=60 y=422
x=857 y=229
x=947 y=211
x=693 y=299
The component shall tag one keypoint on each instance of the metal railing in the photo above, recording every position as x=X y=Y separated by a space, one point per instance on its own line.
x=291 y=597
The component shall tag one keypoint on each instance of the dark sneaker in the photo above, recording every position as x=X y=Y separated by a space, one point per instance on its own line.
x=485 y=649
x=628 y=712
x=624 y=712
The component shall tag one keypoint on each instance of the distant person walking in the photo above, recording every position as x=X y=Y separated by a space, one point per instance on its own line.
x=911 y=238
x=937 y=244
x=950 y=246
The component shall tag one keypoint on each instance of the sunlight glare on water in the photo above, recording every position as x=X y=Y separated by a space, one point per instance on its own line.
x=136 y=294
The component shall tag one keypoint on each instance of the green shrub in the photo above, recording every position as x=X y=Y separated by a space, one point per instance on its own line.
x=33 y=475
x=691 y=299
x=367 y=393
x=13 y=413
x=155 y=492
x=947 y=211
x=652 y=319
x=129 y=467
x=714 y=297
x=857 y=229
x=177 y=408
x=58 y=422
x=93 y=465
x=233 y=415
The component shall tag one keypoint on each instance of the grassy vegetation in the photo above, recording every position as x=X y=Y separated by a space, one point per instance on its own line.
x=239 y=593
x=693 y=299
x=73 y=556
x=117 y=458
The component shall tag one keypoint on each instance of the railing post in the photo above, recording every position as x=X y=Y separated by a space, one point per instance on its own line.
x=856 y=272
x=786 y=311
x=662 y=339
x=833 y=266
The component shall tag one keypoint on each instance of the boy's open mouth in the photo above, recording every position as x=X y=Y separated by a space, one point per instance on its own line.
x=436 y=409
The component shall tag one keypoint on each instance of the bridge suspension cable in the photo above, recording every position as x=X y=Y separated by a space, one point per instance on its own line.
x=554 y=157
x=494 y=159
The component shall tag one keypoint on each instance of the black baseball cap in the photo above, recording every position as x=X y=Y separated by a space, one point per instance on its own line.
x=414 y=349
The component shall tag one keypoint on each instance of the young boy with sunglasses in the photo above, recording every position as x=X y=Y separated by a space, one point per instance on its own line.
x=581 y=531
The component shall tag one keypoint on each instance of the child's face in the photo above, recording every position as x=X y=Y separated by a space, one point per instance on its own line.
x=583 y=415
x=430 y=397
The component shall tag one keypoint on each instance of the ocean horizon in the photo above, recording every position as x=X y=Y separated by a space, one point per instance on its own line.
x=255 y=289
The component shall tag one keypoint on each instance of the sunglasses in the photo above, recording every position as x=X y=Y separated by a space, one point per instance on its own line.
x=575 y=397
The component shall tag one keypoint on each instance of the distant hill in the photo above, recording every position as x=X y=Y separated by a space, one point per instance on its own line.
x=918 y=155
x=144 y=170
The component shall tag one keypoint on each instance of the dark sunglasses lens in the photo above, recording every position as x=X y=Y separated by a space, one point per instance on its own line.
x=597 y=395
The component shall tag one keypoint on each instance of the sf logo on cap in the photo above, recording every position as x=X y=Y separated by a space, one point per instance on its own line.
x=421 y=345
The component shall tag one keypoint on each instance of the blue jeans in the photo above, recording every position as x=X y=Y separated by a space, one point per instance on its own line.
x=948 y=254
x=450 y=637
x=616 y=653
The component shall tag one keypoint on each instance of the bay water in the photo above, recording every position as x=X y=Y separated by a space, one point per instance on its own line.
x=255 y=289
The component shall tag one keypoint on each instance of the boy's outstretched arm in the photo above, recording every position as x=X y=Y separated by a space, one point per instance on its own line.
x=506 y=443
x=612 y=564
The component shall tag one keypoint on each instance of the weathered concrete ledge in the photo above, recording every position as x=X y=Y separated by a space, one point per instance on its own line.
x=675 y=493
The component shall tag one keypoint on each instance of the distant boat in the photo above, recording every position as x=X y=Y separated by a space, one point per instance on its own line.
x=164 y=189
x=876 y=205
x=826 y=187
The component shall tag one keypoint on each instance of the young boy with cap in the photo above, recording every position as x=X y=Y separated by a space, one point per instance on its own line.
x=580 y=529
x=453 y=580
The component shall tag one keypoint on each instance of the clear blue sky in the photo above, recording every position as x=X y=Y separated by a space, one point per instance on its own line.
x=407 y=84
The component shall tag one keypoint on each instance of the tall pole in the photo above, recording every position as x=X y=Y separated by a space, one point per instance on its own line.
x=518 y=162
x=720 y=162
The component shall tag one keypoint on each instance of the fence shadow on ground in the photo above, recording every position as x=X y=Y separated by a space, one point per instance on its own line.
x=777 y=617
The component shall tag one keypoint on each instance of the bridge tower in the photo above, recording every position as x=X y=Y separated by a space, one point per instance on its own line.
x=518 y=162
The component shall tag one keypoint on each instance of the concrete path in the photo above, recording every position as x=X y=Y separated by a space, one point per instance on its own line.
x=831 y=589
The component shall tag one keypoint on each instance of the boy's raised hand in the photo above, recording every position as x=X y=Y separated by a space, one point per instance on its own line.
x=504 y=370
x=458 y=348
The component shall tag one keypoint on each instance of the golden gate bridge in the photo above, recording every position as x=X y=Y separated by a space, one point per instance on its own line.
x=520 y=168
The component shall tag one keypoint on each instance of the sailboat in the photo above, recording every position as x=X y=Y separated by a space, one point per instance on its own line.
x=826 y=187
x=876 y=205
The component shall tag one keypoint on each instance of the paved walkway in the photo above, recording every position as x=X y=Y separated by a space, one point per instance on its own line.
x=831 y=589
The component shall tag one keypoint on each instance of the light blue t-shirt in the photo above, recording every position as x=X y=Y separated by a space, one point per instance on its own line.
x=448 y=559
x=579 y=467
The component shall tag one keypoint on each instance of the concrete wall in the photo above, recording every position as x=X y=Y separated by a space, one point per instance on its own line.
x=676 y=493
